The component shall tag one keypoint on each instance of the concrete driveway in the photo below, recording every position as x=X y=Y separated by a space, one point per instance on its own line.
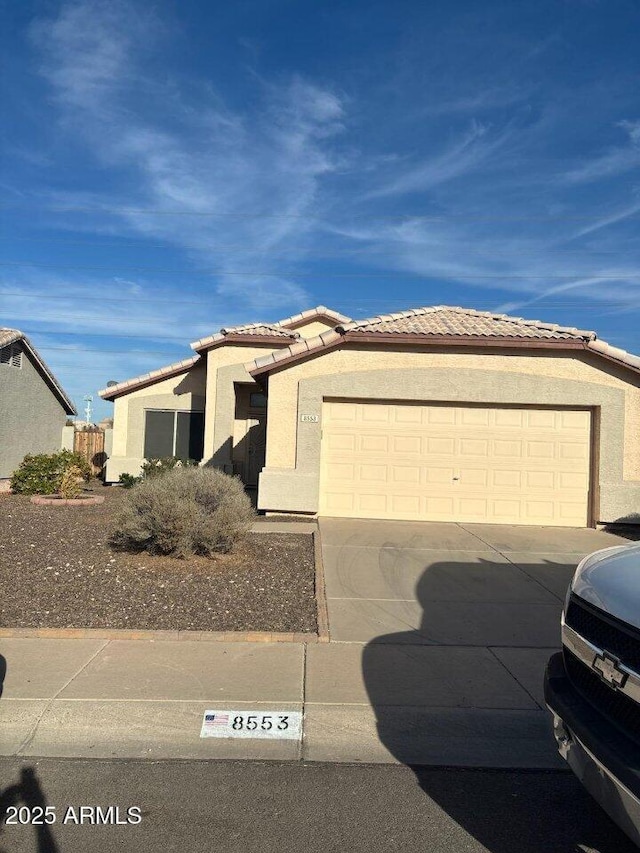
x=450 y=584
x=439 y=638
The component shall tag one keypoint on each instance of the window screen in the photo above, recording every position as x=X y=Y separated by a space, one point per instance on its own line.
x=158 y=434
x=190 y=435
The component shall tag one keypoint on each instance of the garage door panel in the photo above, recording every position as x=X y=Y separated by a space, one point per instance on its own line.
x=420 y=462
x=474 y=447
x=539 y=480
x=509 y=418
x=410 y=445
x=373 y=443
x=373 y=473
x=573 y=450
x=439 y=446
x=573 y=480
x=507 y=448
x=341 y=442
x=404 y=505
x=406 y=474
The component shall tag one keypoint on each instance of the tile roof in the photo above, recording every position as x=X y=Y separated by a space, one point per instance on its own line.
x=251 y=331
x=318 y=311
x=8 y=336
x=267 y=329
x=448 y=322
x=148 y=378
x=270 y=330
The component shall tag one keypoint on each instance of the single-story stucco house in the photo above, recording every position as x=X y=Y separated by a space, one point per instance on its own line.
x=436 y=413
x=33 y=404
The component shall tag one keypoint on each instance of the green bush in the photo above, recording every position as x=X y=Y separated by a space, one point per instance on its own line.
x=158 y=467
x=128 y=481
x=187 y=511
x=42 y=474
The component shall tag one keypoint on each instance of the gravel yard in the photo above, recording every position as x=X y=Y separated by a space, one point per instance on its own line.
x=58 y=571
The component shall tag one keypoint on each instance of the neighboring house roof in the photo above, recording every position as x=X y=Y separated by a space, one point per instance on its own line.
x=447 y=324
x=10 y=336
x=278 y=333
x=148 y=378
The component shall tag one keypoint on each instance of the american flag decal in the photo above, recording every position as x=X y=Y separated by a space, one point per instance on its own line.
x=216 y=720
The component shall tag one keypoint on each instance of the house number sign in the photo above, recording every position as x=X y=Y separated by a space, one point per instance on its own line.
x=265 y=725
x=310 y=419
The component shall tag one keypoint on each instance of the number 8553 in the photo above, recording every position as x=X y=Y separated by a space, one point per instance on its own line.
x=266 y=722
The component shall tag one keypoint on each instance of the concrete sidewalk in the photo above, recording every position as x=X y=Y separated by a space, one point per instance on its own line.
x=143 y=699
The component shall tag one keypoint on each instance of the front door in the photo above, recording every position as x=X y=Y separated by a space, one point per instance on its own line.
x=256 y=449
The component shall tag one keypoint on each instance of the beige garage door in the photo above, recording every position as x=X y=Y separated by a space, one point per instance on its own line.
x=455 y=463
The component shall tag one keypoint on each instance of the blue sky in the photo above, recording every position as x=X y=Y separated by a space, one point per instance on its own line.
x=170 y=168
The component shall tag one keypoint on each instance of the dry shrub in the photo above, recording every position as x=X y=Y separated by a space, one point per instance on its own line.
x=186 y=511
x=69 y=486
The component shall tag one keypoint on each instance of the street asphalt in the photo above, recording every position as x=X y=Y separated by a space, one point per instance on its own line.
x=242 y=807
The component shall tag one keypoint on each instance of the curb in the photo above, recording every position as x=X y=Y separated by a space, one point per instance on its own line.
x=133 y=634
x=322 y=612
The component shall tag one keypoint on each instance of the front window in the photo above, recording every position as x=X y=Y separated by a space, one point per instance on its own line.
x=168 y=433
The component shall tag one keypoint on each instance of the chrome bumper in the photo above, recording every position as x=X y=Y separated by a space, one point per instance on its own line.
x=617 y=800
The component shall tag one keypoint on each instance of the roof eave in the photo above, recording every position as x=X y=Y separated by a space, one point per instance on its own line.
x=409 y=339
x=147 y=379
x=57 y=388
x=267 y=340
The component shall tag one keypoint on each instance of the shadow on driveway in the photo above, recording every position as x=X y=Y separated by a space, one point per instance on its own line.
x=426 y=713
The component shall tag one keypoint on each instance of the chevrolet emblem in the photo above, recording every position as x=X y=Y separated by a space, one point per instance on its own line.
x=609 y=670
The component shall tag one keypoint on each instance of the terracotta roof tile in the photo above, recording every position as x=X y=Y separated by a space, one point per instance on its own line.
x=270 y=330
x=8 y=336
x=447 y=320
x=148 y=378
x=451 y=321
x=318 y=311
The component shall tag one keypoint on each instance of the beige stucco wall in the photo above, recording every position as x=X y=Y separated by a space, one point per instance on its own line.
x=225 y=366
x=183 y=392
x=312 y=329
x=538 y=377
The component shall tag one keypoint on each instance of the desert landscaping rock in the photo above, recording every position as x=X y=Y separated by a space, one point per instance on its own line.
x=57 y=570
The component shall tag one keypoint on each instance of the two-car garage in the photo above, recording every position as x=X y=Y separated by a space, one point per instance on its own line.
x=468 y=463
x=449 y=414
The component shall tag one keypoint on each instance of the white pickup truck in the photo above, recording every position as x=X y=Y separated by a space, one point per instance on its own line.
x=592 y=687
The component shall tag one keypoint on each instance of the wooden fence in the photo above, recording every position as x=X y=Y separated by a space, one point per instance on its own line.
x=90 y=443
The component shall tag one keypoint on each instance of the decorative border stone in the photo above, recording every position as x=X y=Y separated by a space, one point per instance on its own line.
x=52 y=500
x=143 y=634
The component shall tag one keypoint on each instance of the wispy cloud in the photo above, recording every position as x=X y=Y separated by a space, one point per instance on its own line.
x=463 y=156
x=607 y=221
x=615 y=161
x=287 y=170
x=222 y=170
